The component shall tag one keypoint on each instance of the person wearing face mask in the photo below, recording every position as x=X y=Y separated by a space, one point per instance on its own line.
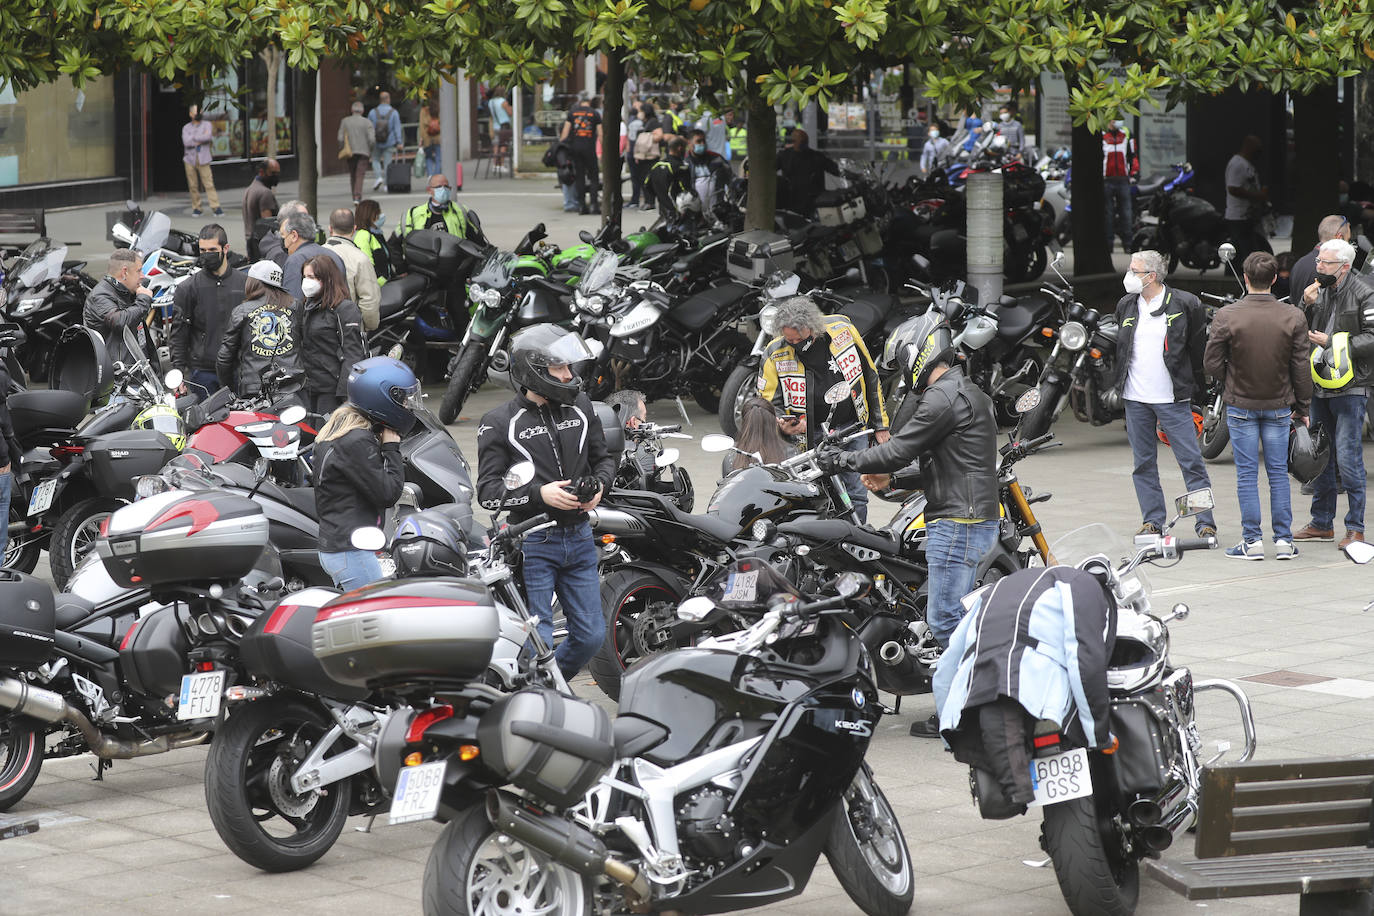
x=298 y=231
x=710 y=171
x=370 y=221
x=1342 y=363
x=1120 y=167
x=440 y=212
x=934 y=150
x=1304 y=270
x=802 y=172
x=197 y=135
x=260 y=203
x=119 y=301
x=331 y=335
x=668 y=177
x=812 y=353
x=1009 y=128
x=1159 y=371
x=200 y=310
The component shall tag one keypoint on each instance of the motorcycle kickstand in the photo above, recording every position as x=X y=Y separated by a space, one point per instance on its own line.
x=367 y=828
x=682 y=409
x=100 y=765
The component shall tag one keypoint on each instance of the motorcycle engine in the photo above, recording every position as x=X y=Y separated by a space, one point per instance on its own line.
x=708 y=835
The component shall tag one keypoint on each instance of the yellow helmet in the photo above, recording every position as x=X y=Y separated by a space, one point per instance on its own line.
x=1332 y=366
x=164 y=419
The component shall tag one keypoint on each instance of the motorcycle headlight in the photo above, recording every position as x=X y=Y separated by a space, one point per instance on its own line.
x=594 y=304
x=484 y=296
x=768 y=320
x=1073 y=335
x=150 y=485
x=26 y=306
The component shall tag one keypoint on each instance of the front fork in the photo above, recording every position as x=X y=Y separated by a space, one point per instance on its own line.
x=1032 y=526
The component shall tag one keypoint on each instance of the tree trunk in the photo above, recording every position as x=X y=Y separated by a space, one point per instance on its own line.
x=1092 y=246
x=307 y=143
x=271 y=58
x=763 y=162
x=1316 y=194
x=613 y=103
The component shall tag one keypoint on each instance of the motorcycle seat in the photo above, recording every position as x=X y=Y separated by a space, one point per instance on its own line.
x=397 y=291
x=302 y=499
x=72 y=609
x=695 y=312
x=52 y=409
x=712 y=525
x=1152 y=186
x=833 y=529
x=633 y=735
x=662 y=248
x=864 y=314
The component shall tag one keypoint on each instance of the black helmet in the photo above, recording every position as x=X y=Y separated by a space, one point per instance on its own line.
x=917 y=345
x=386 y=390
x=430 y=543
x=535 y=349
x=1308 y=452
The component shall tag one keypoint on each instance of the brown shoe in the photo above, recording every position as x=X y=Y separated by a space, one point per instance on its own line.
x=1350 y=537
x=1148 y=528
x=1313 y=533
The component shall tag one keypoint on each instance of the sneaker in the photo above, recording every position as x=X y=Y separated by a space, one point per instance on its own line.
x=1313 y=533
x=196 y=212
x=926 y=728
x=1350 y=537
x=1285 y=550
x=219 y=212
x=1247 y=550
x=377 y=185
x=1149 y=528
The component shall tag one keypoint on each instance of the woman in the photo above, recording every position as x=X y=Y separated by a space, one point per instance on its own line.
x=263 y=333
x=758 y=432
x=358 y=467
x=646 y=151
x=501 y=130
x=429 y=137
x=331 y=334
x=370 y=219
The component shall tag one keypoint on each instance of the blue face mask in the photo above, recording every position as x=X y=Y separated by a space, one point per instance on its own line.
x=699 y=149
x=442 y=195
x=380 y=221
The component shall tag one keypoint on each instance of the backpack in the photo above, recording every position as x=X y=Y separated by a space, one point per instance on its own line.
x=381 y=127
x=645 y=147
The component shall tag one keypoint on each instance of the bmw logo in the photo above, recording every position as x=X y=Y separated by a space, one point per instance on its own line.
x=857 y=696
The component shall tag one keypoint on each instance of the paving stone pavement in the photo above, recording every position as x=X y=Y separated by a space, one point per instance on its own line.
x=140 y=842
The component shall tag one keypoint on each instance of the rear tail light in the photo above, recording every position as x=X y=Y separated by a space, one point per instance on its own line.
x=66 y=452
x=1047 y=739
x=105 y=525
x=421 y=723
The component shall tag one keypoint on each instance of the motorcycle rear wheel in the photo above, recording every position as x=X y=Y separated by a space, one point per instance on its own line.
x=1094 y=879
x=739 y=387
x=474 y=871
x=75 y=535
x=465 y=379
x=21 y=552
x=634 y=600
x=1215 y=434
x=21 y=758
x=867 y=851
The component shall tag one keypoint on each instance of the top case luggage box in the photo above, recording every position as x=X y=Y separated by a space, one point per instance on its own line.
x=278 y=646
x=176 y=537
x=753 y=255
x=840 y=207
x=27 y=620
x=433 y=253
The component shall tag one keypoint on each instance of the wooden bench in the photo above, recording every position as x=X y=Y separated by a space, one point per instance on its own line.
x=23 y=222
x=1287 y=827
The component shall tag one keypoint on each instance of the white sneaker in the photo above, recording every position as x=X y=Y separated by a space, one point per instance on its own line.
x=377 y=185
x=1285 y=550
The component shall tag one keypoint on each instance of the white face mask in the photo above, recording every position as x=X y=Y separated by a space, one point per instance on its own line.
x=311 y=287
x=1005 y=116
x=934 y=135
x=1132 y=282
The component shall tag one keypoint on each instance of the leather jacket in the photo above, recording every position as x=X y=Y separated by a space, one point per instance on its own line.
x=1184 y=341
x=1352 y=304
x=954 y=434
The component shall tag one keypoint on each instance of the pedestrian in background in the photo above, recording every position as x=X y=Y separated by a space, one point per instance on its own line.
x=501 y=130
x=1246 y=199
x=1010 y=128
x=196 y=137
x=581 y=131
x=356 y=139
x=634 y=126
x=803 y=172
x=260 y=203
x=360 y=275
x=298 y=233
x=331 y=335
x=386 y=135
x=1249 y=340
x=1120 y=168
x=647 y=149
x=1159 y=369
x=934 y=150
x=1305 y=269
x=429 y=137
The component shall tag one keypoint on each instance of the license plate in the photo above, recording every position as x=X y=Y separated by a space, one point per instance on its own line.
x=1061 y=777
x=201 y=695
x=42 y=496
x=417 y=793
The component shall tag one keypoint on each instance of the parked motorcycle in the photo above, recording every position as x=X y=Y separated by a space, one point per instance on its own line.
x=1178 y=223
x=44 y=293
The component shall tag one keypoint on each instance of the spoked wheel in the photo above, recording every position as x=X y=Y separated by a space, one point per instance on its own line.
x=75 y=535
x=21 y=757
x=248 y=789
x=475 y=871
x=467 y=375
x=641 y=610
x=22 y=548
x=868 y=852
x=1096 y=875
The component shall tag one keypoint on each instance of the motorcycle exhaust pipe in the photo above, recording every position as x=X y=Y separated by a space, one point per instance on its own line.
x=1159 y=837
x=1146 y=812
x=891 y=652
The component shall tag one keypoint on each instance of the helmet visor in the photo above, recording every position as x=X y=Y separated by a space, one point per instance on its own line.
x=567 y=350
x=408 y=396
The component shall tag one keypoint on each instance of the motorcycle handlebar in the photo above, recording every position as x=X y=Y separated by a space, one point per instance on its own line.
x=511 y=532
x=1197 y=543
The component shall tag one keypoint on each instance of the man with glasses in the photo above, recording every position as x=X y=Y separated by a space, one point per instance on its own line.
x=1342 y=362
x=1305 y=270
x=1159 y=370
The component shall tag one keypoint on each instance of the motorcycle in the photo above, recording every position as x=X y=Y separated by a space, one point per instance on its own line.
x=1179 y=224
x=44 y=293
x=1105 y=810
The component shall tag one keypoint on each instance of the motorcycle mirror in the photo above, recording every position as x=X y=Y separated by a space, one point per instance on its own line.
x=1179 y=611
x=1028 y=401
x=1359 y=552
x=1058 y=258
x=1194 y=502
x=717 y=442
x=587 y=237
x=852 y=585
x=669 y=456
x=292 y=415
x=837 y=393
x=172 y=379
x=396 y=351
x=260 y=469
x=696 y=609
x=519 y=475
x=1226 y=252
x=122 y=234
x=368 y=539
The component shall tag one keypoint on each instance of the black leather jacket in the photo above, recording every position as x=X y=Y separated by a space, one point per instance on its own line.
x=1352 y=303
x=201 y=308
x=356 y=480
x=954 y=434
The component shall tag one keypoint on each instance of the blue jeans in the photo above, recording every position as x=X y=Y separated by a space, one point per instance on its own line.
x=569 y=197
x=1177 y=421
x=1118 y=191
x=562 y=560
x=858 y=493
x=1343 y=419
x=953 y=552
x=1249 y=430
x=381 y=160
x=202 y=383
x=352 y=569
x=432 y=166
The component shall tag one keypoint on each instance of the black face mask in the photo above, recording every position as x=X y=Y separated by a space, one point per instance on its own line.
x=211 y=260
x=1326 y=281
x=270 y=180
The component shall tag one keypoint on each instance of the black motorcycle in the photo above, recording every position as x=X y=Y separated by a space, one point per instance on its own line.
x=1179 y=224
x=44 y=293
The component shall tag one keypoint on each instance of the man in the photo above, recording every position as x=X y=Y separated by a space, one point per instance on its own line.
x=360 y=136
x=440 y=212
x=1159 y=369
x=551 y=424
x=119 y=301
x=201 y=308
x=629 y=405
x=813 y=353
x=581 y=131
x=270 y=245
x=974 y=127
x=803 y=170
x=361 y=275
x=1250 y=338
x=738 y=136
x=196 y=136
x=710 y=171
x=259 y=202
x=1245 y=199
x=1120 y=168
x=715 y=133
x=1342 y=365
x=669 y=177
x=934 y=150
x=386 y=136
x=953 y=433
x=297 y=232
x=1010 y=128
x=1304 y=271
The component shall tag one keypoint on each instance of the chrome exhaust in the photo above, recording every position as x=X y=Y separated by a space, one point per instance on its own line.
x=1159 y=837
x=891 y=652
x=1146 y=812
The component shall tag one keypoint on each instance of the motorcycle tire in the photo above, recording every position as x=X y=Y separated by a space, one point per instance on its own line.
x=21 y=758
x=629 y=596
x=729 y=350
x=1092 y=884
x=469 y=850
x=1214 y=437
x=75 y=534
x=467 y=374
x=21 y=552
x=875 y=871
x=740 y=386
x=248 y=792
x=1027 y=266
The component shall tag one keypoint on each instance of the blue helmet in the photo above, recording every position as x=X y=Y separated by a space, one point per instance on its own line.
x=386 y=390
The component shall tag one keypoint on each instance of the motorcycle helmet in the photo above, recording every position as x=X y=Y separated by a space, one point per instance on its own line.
x=386 y=390
x=430 y=543
x=918 y=345
x=164 y=419
x=1331 y=365
x=1309 y=451
x=535 y=349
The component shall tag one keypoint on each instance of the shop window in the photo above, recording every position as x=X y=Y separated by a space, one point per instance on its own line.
x=56 y=132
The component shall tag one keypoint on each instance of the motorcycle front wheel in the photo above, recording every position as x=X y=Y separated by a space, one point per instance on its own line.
x=867 y=851
x=1096 y=876
x=75 y=535
x=474 y=871
x=739 y=387
x=1215 y=434
x=729 y=349
x=464 y=380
